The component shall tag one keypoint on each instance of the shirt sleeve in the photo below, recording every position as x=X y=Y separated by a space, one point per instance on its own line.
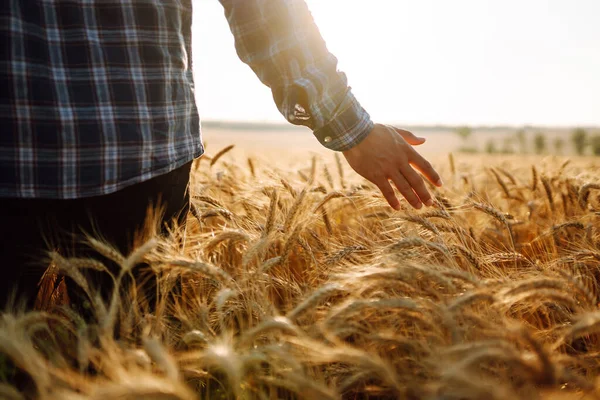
x=279 y=40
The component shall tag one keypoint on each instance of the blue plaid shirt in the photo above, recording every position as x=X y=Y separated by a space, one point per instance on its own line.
x=97 y=95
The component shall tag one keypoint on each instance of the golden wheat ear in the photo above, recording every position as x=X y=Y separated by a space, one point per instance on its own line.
x=286 y=288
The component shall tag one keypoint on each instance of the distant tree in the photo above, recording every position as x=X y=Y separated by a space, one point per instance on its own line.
x=464 y=132
x=539 y=143
x=594 y=141
x=580 y=141
x=559 y=145
x=521 y=136
x=507 y=145
x=490 y=146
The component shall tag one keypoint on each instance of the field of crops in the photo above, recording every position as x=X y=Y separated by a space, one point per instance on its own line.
x=296 y=280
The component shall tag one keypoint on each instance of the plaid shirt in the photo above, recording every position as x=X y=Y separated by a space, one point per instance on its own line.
x=97 y=95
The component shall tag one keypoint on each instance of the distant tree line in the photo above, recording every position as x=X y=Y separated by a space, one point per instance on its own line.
x=580 y=139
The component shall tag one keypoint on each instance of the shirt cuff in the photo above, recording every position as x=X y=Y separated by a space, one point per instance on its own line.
x=348 y=127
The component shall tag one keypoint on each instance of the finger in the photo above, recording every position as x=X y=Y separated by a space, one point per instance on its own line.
x=417 y=184
x=387 y=192
x=426 y=169
x=406 y=190
x=410 y=137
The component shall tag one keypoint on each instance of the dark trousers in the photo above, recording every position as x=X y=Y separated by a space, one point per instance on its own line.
x=29 y=228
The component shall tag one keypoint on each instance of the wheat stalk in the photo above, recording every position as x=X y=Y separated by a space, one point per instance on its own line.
x=288 y=187
x=498 y=215
x=501 y=183
x=293 y=213
x=251 y=166
x=584 y=193
x=210 y=200
x=312 y=301
x=340 y=168
x=233 y=236
x=549 y=193
x=534 y=178
x=220 y=154
x=328 y=177
x=452 y=164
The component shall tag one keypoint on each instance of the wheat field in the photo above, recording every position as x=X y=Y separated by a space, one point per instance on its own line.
x=295 y=280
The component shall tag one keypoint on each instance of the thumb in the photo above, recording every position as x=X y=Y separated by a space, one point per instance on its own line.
x=410 y=137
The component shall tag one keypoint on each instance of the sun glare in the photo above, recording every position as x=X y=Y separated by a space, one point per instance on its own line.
x=431 y=62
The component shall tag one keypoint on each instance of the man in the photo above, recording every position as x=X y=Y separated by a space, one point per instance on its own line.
x=98 y=117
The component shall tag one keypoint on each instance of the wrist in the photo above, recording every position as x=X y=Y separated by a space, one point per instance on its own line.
x=348 y=127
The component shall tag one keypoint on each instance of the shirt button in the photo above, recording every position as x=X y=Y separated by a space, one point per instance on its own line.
x=327 y=139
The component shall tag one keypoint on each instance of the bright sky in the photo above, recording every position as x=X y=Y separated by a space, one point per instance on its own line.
x=503 y=62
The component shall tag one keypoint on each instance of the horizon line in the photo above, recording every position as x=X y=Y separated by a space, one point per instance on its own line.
x=271 y=125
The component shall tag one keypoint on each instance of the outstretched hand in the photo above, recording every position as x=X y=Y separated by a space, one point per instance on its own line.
x=385 y=155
